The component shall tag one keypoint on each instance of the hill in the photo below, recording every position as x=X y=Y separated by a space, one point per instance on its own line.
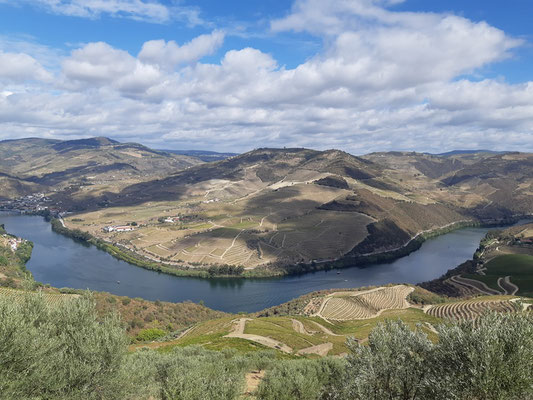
x=319 y=323
x=270 y=209
x=30 y=165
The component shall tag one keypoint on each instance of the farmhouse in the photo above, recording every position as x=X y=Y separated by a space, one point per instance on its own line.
x=172 y=219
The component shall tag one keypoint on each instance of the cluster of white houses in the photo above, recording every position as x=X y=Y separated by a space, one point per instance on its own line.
x=14 y=242
x=119 y=228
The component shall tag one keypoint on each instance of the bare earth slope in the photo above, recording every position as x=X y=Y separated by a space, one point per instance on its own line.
x=280 y=207
x=39 y=163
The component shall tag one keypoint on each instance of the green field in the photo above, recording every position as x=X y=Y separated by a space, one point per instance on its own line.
x=518 y=266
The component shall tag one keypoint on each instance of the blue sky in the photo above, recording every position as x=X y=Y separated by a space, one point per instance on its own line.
x=360 y=75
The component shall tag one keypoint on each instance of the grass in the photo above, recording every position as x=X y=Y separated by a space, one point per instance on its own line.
x=281 y=329
x=518 y=266
x=360 y=329
x=489 y=280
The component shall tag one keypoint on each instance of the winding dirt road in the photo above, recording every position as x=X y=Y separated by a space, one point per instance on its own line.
x=238 y=332
x=507 y=286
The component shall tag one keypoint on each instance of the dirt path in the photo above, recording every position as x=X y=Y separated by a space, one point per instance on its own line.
x=507 y=286
x=232 y=243
x=325 y=330
x=299 y=327
x=320 y=349
x=477 y=285
x=238 y=332
x=253 y=379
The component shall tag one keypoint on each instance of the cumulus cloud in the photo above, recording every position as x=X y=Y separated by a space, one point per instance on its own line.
x=169 y=54
x=384 y=80
x=19 y=67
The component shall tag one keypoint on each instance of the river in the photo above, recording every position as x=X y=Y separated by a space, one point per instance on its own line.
x=63 y=262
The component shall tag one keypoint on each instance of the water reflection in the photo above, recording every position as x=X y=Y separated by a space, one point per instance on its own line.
x=62 y=262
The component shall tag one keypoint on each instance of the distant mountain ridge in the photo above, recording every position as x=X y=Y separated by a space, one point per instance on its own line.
x=203 y=155
x=281 y=207
x=33 y=164
x=461 y=152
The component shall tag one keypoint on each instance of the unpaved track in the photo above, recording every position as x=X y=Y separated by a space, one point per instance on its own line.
x=477 y=285
x=325 y=330
x=299 y=327
x=507 y=286
x=253 y=379
x=320 y=349
x=232 y=243
x=238 y=332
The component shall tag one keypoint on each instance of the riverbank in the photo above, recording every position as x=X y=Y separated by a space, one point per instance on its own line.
x=365 y=260
x=62 y=262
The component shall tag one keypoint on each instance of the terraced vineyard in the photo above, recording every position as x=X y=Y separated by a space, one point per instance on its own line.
x=468 y=310
x=368 y=304
x=51 y=299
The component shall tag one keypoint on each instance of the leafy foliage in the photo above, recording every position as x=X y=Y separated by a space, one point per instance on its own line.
x=61 y=352
x=150 y=334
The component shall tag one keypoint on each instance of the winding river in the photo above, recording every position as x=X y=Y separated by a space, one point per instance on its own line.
x=62 y=262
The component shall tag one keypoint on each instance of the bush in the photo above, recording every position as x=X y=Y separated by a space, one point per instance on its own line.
x=490 y=359
x=191 y=374
x=147 y=335
x=393 y=365
x=303 y=380
x=60 y=352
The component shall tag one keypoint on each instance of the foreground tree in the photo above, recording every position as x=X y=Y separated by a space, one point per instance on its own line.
x=490 y=359
x=392 y=366
x=59 y=352
x=487 y=359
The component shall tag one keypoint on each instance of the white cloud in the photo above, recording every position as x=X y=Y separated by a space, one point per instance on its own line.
x=19 y=67
x=168 y=55
x=384 y=80
x=142 y=10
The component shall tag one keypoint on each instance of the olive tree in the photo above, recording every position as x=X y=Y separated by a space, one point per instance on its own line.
x=490 y=359
x=392 y=366
x=62 y=351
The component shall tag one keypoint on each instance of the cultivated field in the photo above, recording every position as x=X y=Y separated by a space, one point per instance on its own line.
x=279 y=222
x=345 y=306
x=471 y=309
x=51 y=299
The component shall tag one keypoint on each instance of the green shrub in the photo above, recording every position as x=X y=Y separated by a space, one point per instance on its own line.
x=60 y=352
x=489 y=359
x=303 y=380
x=147 y=335
x=126 y=301
x=191 y=374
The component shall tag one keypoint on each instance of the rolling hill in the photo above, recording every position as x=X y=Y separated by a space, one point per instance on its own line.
x=270 y=209
x=31 y=165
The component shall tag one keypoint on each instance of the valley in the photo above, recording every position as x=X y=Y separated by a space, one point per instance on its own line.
x=267 y=212
x=271 y=212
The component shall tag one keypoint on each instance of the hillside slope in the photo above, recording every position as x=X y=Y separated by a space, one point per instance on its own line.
x=276 y=208
x=34 y=164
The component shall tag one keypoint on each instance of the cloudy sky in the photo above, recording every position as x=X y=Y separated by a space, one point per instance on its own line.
x=357 y=75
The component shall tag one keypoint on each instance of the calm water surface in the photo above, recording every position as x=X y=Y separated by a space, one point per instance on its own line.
x=62 y=262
